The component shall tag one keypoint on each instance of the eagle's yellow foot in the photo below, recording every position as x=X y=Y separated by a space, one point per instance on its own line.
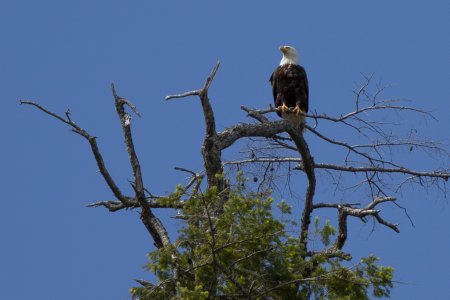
x=297 y=110
x=284 y=108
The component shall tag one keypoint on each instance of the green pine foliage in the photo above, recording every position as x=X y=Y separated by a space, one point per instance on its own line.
x=248 y=253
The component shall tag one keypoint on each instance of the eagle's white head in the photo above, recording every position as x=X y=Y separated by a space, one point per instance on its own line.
x=290 y=55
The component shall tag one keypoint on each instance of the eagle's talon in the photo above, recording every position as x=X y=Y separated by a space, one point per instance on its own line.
x=297 y=110
x=284 y=108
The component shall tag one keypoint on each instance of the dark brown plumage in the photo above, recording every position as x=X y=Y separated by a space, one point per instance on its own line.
x=290 y=87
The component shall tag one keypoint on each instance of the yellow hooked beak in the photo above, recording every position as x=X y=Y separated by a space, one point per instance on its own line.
x=283 y=49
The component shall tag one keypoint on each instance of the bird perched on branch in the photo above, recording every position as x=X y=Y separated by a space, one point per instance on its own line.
x=290 y=87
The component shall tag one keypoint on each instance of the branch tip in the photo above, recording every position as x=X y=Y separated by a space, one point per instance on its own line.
x=113 y=90
x=211 y=77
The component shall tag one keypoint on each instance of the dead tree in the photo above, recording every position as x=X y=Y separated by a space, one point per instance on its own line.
x=287 y=145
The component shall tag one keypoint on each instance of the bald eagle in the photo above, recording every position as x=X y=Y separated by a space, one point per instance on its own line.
x=290 y=87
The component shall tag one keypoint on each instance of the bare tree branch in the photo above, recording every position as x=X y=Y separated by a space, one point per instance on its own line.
x=162 y=202
x=94 y=147
x=210 y=150
x=151 y=222
x=114 y=206
x=443 y=174
x=402 y=170
x=230 y=135
x=347 y=209
x=308 y=163
x=183 y=95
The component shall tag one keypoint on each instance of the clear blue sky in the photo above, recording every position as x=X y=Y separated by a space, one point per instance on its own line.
x=64 y=54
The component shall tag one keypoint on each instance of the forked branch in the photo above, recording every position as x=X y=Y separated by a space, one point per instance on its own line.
x=212 y=159
x=152 y=223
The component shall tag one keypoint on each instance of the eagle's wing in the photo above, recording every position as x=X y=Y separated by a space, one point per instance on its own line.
x=304 y=103
x=274 y=82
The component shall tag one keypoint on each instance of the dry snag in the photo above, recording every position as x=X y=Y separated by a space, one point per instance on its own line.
x=278 y=143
